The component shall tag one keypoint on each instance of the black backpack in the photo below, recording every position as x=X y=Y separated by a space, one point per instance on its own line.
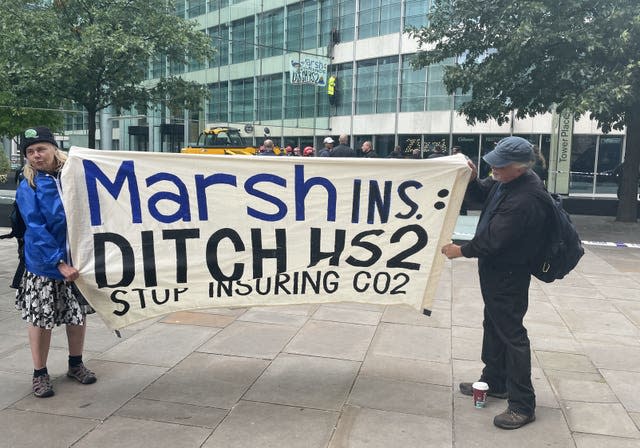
x=17 y=231
x=562 y=249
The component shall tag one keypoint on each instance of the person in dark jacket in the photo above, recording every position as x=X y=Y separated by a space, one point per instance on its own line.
x=328 y=147
x=437 y=152
x=343 y=149
x=268 y=148
x=509 y=231
x=396 y=153
x=367 y=150
x=46 y=296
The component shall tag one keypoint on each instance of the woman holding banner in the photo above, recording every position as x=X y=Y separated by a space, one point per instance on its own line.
x=46 y=296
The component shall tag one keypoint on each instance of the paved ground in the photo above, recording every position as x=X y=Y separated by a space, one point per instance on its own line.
x=343 y=375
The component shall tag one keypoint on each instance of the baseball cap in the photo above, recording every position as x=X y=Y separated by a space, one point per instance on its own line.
x=328 y=140
x=510 y=150
x=36 y=135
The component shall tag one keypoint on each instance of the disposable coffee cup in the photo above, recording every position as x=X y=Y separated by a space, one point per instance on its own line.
x=479 y=393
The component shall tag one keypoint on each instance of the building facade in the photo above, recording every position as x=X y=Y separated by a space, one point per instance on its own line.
x=267 y=73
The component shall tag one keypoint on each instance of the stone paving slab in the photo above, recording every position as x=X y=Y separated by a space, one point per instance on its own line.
x=121 y=431
x=307 y=381
x=267 y=425
x=23 y=429
x=342 y=374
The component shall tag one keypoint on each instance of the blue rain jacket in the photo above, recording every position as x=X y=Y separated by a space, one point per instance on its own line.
x=45 y=239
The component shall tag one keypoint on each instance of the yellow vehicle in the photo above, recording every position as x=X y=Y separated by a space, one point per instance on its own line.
x=222 y=140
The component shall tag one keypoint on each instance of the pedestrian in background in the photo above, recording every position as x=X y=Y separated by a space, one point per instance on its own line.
x=328 y=147
x=437 y=152
x=396 y=153
x=540 y=168
x=507 y=238
x=343 y=149
x=367 y=150
x=46 y=296
x=268 y=148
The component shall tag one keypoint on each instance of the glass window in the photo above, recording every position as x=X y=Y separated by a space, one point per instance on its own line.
x=214 y=5
x=387 y=85
x=242 y=35
x=384 y=145
x=292 y=100
x=346 y=19
x=378 y=17
x=376 y=85
x=308 y=101
x=413 y=87
x=409 y=143
x=179 y=8
x=242 y=100
x=310 y=25
x=197 y=8
x=469 y=145
x=271 y=33
x=344 y=84
x=194 y=64
x=219 y=36
x=159 y=67
x=270 y=98
x=437 y=97
x=218 y=103
x=368 y=18
x=389 y=17
x=415 y=13
x=583 y=158
x=294 y=27
x=609 y=157
x=365 y=87
x=325 y=22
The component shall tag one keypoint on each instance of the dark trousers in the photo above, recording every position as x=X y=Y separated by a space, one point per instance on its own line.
x=506 y=350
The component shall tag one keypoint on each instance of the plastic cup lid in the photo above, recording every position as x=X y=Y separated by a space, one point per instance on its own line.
x=480 y=385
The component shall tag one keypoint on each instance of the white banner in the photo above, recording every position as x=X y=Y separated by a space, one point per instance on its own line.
x=155 y=233
x=305 y=69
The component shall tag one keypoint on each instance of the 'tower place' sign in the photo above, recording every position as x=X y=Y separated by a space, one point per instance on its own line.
x=157 y=233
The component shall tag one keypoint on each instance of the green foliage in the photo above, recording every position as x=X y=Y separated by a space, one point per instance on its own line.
x=581 y=55
x=5 y=165
x=96 y=53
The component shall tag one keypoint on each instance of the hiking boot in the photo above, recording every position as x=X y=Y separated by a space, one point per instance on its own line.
x=510 y=419
x=467 y=389
x=42 y=387
x=82 y=374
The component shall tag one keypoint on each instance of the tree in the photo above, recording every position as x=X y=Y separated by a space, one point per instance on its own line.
x=96 y=53
x=20 y=105
x=526 y=56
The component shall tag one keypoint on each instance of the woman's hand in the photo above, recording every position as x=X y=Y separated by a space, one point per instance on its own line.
x=69 y=273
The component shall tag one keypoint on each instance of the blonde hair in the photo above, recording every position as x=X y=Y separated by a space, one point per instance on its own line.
x=29 y=173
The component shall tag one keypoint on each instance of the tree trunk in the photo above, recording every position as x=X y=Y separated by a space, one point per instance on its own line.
x=628 y=204
x=92 y=128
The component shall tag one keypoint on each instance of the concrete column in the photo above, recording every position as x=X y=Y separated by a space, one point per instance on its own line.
x=106 y=129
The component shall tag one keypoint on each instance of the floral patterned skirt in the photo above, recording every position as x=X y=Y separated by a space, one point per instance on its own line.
x=46 y=302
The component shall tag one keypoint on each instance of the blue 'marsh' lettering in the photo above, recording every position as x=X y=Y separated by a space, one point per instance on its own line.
x=302 y=188
x=249 y=188
x=183 y=213
x=202 y=183
x=93 y=175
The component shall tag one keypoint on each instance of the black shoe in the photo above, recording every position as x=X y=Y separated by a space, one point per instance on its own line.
x=467 y=389
x=510 y=419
